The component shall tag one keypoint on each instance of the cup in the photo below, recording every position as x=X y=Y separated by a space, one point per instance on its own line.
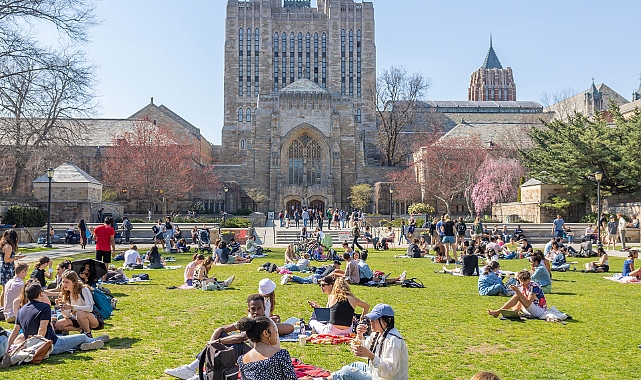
x=302 y=340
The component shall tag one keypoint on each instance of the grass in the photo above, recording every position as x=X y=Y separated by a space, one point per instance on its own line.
x=25 y=250
x=448 y=333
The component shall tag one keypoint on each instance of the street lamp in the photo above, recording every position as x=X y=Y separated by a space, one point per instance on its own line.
x=225 y=201
x=391 y=191
x=598 y=176
x=50 y=173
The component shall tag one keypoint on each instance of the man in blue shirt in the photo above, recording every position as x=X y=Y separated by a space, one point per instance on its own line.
x=558 y=227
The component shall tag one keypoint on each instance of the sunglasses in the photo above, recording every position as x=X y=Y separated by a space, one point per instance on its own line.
x=324 y=285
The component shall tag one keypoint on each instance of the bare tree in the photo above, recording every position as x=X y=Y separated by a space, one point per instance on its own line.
x=562 y=102
x=397 y=97
x=40 y=108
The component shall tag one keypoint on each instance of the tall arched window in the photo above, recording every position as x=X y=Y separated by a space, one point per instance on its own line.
x=324 y=61
x=358 y=63
x=304 y=162
x=351 y=62
x=343 y=62
x=240 y=115
x=276 y=62
x=242 y=144
x=316 y=57
x=248 y=115
x=292 y=55
x=284 y=58
x=240 y=62
x=249 y=62
x=256 y=61
x=300 y=55
x=307 y=55
x=358 y=115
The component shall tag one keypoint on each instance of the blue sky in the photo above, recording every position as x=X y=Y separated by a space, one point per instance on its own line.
x=173 y=50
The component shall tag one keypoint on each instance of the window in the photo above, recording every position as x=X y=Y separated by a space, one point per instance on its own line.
x=240 y=115
x=307 y=55
x=248 y=116
x=240 y=62
x=358 y=63
x=343 y=62
x=284 y=59
x=351 y=62
x=256 y=61
x=291 y=57
x=276 y=62
x=324 y=62
x=304 y=161
x=242 y=143
x=316 y=57
x=249 y=62
x=300 y=55
x=358 y=116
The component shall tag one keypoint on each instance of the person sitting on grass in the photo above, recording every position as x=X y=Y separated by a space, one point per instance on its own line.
x=290 y=255
x=540 y=274
x=34 y=318
x=190 y=269
x=132 y=257
x=255 y=308
x=250 y=245
x=385 y=350
x=76 y=305
x=603 y=265
x=528 y=298
x=266 y=360
x=201 y=275
x=267 y=289
x=13 y=288
x=470 y=265
x=490 y=282
x=182 y=246
x=43 y=270
x=628 y=265
x=413 y=249
x=234 y=246
x=423 y=246
x=368 y=275
x=224 y=256
x=559 y=263
x=303 y=264
x=156 y=261
x=341 y=303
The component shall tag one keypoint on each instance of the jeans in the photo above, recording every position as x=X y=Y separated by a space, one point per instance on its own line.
x=342 y=223
x=69 y=342
x=355 y=243
x=292 y=267
x=493 y=290
x=354 y=371
x=282 y=222
x=302 y=280
x=622 y=237
x=305 y=222
x=4 y=345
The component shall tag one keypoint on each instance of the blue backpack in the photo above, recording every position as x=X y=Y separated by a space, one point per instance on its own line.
x=102 y=303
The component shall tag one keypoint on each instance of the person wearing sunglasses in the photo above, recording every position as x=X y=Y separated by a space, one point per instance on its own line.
x=341 y=303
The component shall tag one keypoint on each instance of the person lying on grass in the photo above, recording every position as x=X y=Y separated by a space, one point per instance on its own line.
x=324 y=271
x=301 y=265
x=255 y=308
x=603 y=265
x=341 y=303
x=385 y=351
x=266 y=360
x=528 y=298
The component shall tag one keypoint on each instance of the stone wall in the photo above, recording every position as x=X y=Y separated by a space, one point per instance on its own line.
x=67 y=192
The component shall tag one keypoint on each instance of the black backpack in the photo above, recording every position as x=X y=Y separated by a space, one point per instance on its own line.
x=412 y=283
x=415 y=251
x=460 y=228
x=217 y=362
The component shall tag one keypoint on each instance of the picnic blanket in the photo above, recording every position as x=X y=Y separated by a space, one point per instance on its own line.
x=166 y=267
x=623 y=280
x=293 y=337
x=303 y=370
x=331 y=339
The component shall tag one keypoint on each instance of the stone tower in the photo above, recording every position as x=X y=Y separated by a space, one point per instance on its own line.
x=636 y=95
x=491 y=81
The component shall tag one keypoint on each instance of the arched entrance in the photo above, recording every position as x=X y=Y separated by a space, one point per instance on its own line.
x=293 y=205
x=318 y=205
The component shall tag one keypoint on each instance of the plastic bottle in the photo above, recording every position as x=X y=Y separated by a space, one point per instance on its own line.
x=302 y=328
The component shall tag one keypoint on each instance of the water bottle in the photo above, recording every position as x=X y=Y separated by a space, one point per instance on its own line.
x=302 y=328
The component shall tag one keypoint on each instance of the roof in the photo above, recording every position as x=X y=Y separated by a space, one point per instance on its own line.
x=491 y=134
x=532 y=182
x=482 y=106
x=66 y=173
x=491 y=60
x=304 y=85
x=630 y=107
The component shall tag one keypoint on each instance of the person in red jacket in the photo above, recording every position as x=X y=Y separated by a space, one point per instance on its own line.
x=105 y=243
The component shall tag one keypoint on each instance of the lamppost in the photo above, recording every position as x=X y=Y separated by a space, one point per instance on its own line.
x=598 y=176
x=391 y=191
x=50 y=173
x=225 y=201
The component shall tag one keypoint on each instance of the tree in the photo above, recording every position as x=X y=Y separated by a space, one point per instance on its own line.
x=151 y=165
x=571 y=152
x=449 y=168
x=405 y=184
x=361 y=195
x=497 y=181
x=42 y=108
x=397 y=97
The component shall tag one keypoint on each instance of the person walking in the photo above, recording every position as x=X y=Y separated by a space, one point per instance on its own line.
x=127 y=227
x=558 y=227
x=622 y=226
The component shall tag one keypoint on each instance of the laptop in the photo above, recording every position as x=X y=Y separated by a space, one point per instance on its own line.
x=512 y=315
x=321 y=314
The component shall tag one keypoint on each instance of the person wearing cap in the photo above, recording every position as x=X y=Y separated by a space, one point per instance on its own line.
x=385 y=351
x=613 y=229
x=267 y=289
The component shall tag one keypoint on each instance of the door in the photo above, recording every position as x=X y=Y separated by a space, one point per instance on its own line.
x=318 y=205
x=293 y=205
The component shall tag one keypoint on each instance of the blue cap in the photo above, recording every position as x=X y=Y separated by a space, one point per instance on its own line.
x=380 y=310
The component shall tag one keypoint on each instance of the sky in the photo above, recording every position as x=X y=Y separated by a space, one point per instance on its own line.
x=173 y=50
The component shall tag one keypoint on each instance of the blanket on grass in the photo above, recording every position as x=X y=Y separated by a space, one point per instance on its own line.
x=623 y=280
x=331 y=339
x=303 y=370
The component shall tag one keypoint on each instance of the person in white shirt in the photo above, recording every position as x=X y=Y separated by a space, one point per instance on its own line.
x=622 y=226
x=132 y=256
x=12 y=291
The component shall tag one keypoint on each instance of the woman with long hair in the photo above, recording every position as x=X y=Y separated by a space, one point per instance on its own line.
x=43 y=269
x=76 y=305
x=266 y=360
x=82 y=227
x=9 y=247
x=341 y=303
x=290 y=255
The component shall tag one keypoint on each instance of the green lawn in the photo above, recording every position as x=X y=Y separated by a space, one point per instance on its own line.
x=445 y=325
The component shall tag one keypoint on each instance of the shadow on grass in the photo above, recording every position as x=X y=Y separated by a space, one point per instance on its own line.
x=559 y=280
x=119 y=295
x=121 y=343
x=564 y=293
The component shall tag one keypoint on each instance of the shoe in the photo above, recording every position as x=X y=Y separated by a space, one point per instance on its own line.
x=182 y=372
x=403 y=276
x=315 y=280
x=96 y=344
x=89 y=335
x=228 y=281
x=195 y=377
x=284 y=279
x=260 y=269
x=104 y=338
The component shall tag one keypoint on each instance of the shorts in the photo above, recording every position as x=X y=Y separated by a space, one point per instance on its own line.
x=449 y=239
x=104 y=256
x=612 y=237
x=559 y=233
x=534 y=310
x=231 y=260
x=190 y=282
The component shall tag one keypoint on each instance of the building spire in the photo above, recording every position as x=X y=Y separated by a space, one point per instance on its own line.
x=490 y=40
x=491 y=60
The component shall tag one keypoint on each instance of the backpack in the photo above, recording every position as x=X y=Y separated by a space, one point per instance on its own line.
x=102 y=303
x=460 y=228
x=155 y=229
x=127 y=224
x=415 y=251
x=217 y=362
x=412 y=283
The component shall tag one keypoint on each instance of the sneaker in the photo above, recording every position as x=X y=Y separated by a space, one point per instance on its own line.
x=6 y=361
x=315 y=280
x=104 y=338
x=284 y=279
x=195 y=377
x=228 y=281
x=403 y=276
x=89 y=335
x=96 y=344
x=509 y=293
x=182 y=372
x=261 y=269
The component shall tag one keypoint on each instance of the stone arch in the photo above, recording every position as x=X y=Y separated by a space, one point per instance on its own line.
x=305 y=156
